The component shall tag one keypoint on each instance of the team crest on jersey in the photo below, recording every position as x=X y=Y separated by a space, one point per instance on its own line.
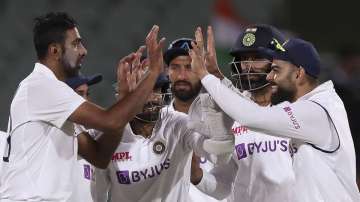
x=249 y=39
x=158 y=147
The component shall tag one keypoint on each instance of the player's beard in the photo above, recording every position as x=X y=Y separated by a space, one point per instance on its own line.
x=283 y=94
x=186 y=95
x=71 y=65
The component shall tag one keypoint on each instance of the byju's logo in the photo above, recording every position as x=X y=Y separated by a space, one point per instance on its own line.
x=240 y=151
x=123 y=176
x=126 y=177
x=292 y=117
x=243 y=150
x=88 y=172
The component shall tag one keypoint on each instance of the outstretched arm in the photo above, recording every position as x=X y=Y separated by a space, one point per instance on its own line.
x=134 y=92
x=291 y=120
x=113 y=120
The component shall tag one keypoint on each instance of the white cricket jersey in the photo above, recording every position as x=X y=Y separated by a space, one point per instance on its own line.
x=83 y=174
x=324 y=164
x=154 y=168
x=195 y=195
x=259 y=171
x=2 y=141
x=2 y=148
x=43 y=147
x=264 y=167
x=3 y=136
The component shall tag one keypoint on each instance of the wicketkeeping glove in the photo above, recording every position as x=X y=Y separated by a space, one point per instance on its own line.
x=208 y=119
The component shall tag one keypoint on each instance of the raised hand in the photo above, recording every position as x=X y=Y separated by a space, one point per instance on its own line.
x=210 y=56
x=129 y=72
x=136 y=72
x=154 y=49
x=123 y=72
x=197 y=55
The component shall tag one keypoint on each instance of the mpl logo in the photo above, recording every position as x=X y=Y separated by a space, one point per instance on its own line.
x=241 y=151
x=127 y=177
x=239 y=130
x=121 y=156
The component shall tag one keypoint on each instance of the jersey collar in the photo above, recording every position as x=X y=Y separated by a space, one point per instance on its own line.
x=44 y=70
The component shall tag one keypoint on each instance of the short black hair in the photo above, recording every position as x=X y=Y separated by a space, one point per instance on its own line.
x=51 y=28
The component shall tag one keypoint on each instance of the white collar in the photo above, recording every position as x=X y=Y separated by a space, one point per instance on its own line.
x=41 y=68
x=326 y=86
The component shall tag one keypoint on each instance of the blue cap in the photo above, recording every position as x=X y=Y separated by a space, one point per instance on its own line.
x=298 y=52
x=77 y=81
x=255 y=38
x=177 y=48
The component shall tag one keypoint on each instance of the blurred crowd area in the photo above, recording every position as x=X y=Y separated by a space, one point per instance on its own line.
x=113 y=28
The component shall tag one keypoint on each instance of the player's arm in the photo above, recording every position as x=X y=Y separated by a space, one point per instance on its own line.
x=98 y=152
x=219 y=181
x=100 y=187
x=303 y=120
x=113 y=120
x=273 y=121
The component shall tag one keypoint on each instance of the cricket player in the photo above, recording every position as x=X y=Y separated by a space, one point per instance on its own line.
x=83 y=172
x=185 y=87
x=311 y=114
x=151 y=161
x=261 y=167
x=41 y=149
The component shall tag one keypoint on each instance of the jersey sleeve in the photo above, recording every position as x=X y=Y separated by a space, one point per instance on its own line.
x=100 y=187
x=53 y=101
x=303 y=120
x=219 y=181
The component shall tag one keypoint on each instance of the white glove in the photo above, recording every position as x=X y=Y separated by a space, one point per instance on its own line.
x=208 y=119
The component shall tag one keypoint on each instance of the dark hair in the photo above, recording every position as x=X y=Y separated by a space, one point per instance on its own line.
x=51 y=28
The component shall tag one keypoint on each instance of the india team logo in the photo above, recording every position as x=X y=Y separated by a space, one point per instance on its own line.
x=249 y=39
x=241 y=151
x=158 y=147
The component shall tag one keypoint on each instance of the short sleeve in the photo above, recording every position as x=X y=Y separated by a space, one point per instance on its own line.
x=52 y=101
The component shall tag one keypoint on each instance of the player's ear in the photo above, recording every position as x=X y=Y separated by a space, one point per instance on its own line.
x=55 y=50
x=301 y=75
